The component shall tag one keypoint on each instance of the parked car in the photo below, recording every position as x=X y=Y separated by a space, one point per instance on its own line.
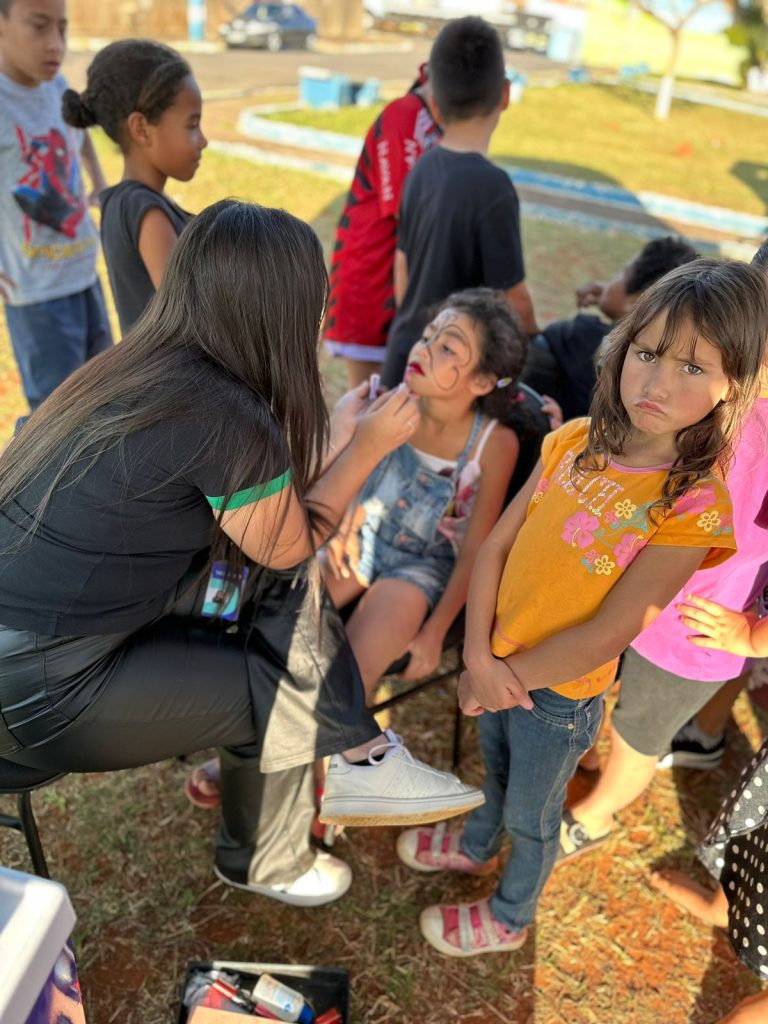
x=270 y=26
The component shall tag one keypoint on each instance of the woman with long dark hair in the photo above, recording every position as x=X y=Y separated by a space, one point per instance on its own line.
x=158 y=515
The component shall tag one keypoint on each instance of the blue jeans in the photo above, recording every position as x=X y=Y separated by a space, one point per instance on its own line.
x=530 y=756
x=52 y=339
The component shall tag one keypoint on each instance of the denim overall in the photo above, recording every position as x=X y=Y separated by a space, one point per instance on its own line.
x=404 y=502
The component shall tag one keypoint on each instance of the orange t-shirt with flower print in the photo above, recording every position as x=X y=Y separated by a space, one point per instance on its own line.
x=576 y=542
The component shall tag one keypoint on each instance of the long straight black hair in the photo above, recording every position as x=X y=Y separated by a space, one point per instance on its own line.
x=245 y=290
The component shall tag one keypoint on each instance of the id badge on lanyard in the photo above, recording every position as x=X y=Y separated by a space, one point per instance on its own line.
x=223 y=593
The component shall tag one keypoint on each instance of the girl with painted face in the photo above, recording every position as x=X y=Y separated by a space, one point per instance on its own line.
x=407 y=547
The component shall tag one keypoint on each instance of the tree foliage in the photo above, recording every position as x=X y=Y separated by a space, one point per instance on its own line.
x=750 y=30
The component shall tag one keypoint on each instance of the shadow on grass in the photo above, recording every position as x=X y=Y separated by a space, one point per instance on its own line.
x=565 y=169
x=725 y=980
x=755 y=177
x=586 y=199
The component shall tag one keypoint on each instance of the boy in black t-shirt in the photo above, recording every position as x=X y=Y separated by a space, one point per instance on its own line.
x=459 y=215
x=561 y=360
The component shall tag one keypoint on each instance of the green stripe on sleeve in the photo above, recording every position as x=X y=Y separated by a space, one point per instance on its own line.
x=251 y=494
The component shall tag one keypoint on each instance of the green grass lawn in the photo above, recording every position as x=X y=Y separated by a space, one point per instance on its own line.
x=609 y=134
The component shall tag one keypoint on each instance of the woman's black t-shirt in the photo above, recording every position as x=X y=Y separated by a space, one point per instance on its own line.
x=113 y=545
x=123 y=208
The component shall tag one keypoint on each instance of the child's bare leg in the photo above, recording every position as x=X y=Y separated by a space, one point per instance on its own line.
x=386 y=620
x=713 y=717
x=626 y=775
x=752 y=1010
x=359 y=370
x=708 y=905
x=590 y=762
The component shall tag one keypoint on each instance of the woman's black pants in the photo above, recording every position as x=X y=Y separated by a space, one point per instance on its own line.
x=276 y=692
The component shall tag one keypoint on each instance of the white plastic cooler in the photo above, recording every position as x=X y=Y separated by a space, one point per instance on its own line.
x=38 y=979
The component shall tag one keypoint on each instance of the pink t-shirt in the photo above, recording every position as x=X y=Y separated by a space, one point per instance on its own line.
x=736 y=582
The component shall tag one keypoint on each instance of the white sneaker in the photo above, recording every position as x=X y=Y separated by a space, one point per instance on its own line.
x=327 y=880
x=395 y=790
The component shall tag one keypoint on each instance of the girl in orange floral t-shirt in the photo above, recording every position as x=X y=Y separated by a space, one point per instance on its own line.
x=621 y=509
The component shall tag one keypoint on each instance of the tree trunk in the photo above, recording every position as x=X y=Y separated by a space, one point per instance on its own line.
x=667 y=83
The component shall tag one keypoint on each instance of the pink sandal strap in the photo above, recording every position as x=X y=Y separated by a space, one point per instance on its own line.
x=466 y=927
x=436 y=842
x=488 y=924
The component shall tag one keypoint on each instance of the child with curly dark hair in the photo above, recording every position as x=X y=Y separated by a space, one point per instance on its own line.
x=145 y=98
x=407 y=549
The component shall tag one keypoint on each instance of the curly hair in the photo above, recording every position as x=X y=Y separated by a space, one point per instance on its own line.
x=655 y=260
x=126 y=76
x=503 y=346
x=726 y=303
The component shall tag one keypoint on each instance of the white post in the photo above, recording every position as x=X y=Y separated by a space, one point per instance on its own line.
x=196 y=19
x=664 y=98
x=667 y=83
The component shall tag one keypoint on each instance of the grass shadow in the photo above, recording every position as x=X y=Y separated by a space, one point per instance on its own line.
x=702 y=792
x=755 y=177
x=594 y=189
x=563 y=168
x=724 y=984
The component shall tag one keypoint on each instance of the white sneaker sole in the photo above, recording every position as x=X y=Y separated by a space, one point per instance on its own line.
x=295 y=900
x=362 y=811
x=681 y=759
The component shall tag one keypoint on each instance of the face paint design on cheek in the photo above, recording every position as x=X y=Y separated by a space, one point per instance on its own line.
x=441 y=322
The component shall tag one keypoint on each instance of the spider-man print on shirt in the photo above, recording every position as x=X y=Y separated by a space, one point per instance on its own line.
x=49 y=192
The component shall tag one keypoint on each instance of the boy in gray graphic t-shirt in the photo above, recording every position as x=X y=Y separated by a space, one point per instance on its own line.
x=48 y=242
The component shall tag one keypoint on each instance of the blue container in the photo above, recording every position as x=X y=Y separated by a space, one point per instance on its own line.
x=323 y=90
x=365 y=94
x=579 y=75
x=564 y=44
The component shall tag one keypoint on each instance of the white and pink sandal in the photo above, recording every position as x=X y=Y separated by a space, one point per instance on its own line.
x=437 y=849
x=468 y=929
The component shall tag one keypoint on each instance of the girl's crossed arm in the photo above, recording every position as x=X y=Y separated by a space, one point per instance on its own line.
x=646 y=588
x=497 y=464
